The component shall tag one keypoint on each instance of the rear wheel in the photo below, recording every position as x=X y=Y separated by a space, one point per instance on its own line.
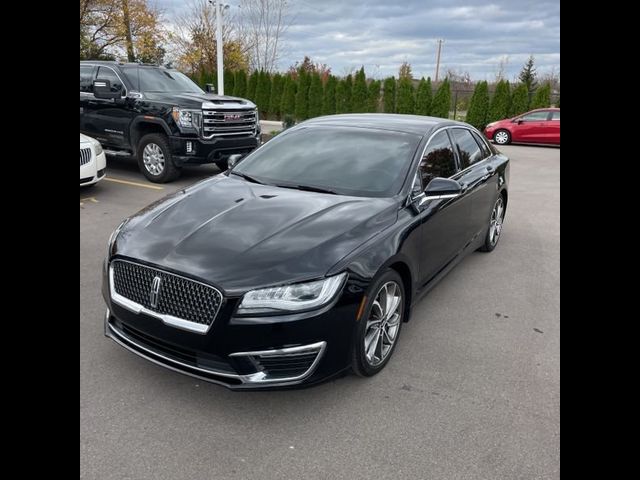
x=379 y=327
x=495 y=226
x=155 y=159
x=502 y=137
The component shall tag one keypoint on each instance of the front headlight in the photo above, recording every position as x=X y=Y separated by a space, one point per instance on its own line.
x=184 y=118
x=292 y=298
x=98 y=148
x=490 y=125
x=114 y=235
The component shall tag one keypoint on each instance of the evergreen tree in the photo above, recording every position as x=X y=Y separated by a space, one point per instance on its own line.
x=389 y=95
x=228 y=82
x=252 y=86
x=528 y=76
x=501 y=102
x=424 y=97
x=406 y=96
x=289 y=91
x=359 y=102
x=240 y=84
x=519 y=100
x=542 y=97
x=315 y=95
x=302 y=96
x=329 y=97
x=373 y=99
x=479 y=106
x=263 y=93
x=442 y=100
x=558 y=102
x=275 y=101
x=343 y=95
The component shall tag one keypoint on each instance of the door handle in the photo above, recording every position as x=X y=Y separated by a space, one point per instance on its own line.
x=490 y=168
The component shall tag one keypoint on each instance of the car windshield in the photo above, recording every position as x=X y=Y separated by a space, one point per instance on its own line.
x=161 y=80
x=342 y=160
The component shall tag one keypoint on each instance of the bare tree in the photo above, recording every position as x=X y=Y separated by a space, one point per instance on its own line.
x=262 y=23
x=503 y=63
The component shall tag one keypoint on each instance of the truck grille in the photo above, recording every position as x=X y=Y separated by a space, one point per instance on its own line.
x=85 y=156
x=228 y=122
x=177 y=296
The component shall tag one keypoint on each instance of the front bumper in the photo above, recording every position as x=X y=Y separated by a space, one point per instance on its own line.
x=243 y=353
x=93 y=171
x=196 y=150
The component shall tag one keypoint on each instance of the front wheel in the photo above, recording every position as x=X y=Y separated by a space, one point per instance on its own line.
x=495 y=226
x=155 y=159
x=379 y=326
x=502 y=137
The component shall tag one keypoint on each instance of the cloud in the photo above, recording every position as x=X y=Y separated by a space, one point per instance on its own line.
x=381 y=34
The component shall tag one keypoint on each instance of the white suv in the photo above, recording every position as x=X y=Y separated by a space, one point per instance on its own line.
x=93 y=163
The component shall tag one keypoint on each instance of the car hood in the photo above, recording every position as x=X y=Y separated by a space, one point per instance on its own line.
x=85 y=139
x=239 y=235
x=195 y=100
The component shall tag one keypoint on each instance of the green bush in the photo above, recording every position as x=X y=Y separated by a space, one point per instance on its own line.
x=288 y=105
x=389 y=95
x=252 y=86
x=240 y=87
x=302 y=96
x=442 y=100
x=424 y=97
x=406 y=96
x=373 y=96
x=343 y=95
x=479 y=106
x=229 y=82
x=542 y=97
x=275 y=101
x=289 y=121
x=359 y=101
x=501 y=102
x=315 y=96
x=519 y=100
x=263 y=93
x=329 y=96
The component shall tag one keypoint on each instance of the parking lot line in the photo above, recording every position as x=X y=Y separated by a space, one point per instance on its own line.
x=134 y=184
x=88 y=199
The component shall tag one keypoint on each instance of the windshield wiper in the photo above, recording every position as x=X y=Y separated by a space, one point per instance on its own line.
x=246 y=177
x=309 y=188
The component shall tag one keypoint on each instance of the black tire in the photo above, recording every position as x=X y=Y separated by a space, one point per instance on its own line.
x=360 y=365
x=168 y=171
x=223 y=165
x=491 y=239
x=504 y=137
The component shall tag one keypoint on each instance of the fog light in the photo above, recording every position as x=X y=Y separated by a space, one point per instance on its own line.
x=189 y=147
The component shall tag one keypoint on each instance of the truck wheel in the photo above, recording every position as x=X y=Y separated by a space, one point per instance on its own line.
x=155 y=160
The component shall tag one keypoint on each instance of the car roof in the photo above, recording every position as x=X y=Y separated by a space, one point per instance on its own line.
x=120 y=64
x=416 y=124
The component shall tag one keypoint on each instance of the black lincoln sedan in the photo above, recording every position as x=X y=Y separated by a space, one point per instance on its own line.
x=303 y=260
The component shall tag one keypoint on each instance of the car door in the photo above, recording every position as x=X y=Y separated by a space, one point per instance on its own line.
x=530 y=127
x=108 y=120
x=444 y=221
x=552 y=134
x=477 y=176
x=87 y=75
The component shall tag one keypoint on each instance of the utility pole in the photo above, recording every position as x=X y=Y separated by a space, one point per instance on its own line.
x=218 y=6
x=440 y=42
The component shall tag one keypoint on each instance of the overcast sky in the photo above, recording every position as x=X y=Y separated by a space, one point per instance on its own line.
x=381 y=34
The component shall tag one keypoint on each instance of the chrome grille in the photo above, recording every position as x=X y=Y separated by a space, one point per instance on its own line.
x=178 y=297
x=224 y=122
x=85 y=156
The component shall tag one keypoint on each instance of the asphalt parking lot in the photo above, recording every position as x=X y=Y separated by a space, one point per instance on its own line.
x=472 y=392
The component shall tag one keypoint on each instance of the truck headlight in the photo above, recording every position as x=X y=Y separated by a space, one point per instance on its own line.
x=183 y=118
x=292 y=298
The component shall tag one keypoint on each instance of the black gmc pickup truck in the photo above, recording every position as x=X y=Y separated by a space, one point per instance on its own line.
x=162 y=118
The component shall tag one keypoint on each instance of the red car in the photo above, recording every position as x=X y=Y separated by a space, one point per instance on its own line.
x=537 y=126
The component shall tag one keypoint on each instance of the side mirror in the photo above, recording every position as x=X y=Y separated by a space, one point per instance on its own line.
x=209 y=88
x=234 y=159
x=437 y=189
x=520 y=121
x=102 y=89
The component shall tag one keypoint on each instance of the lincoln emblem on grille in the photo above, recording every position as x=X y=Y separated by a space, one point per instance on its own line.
x=229 y=117
x=155 y=290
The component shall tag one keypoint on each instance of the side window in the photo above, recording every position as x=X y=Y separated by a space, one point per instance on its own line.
x=535 y=117
x=468 y=149
x=438 y=160
x=86 y=79
x=483 y=145
x=108 y=74
x=555 y=116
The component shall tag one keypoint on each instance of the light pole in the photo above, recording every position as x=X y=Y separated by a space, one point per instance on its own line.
x=219 y=43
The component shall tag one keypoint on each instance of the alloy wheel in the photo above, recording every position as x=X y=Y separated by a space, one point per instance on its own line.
x=153 y=159
x=497 y=217
x=383 y=324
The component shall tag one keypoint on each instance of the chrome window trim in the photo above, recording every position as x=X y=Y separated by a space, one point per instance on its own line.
x=124 y=85
x=253 y=378
x=166 y=319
